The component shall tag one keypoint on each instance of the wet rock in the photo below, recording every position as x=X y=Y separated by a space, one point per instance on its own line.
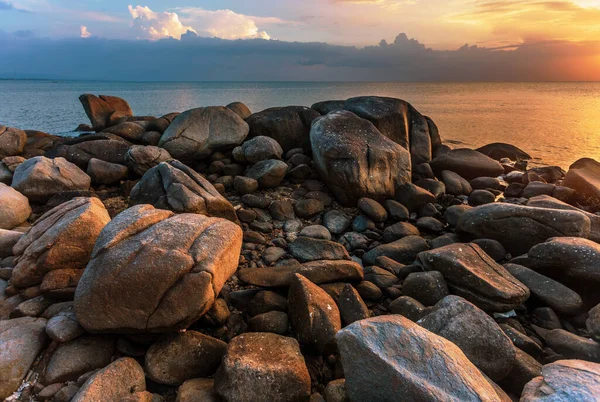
x=408 y=307
x=118 y=380
x=14 y=207
x=364 y=164
x=404 y=250
x=583 y=176
x=455 y=183
x=426 y=287
x=105 y=111
x=475 y=333
x=308 y=249
x=379 y=353
x=196 y=133
x=21 y=341
x=499 y=150
x=564 y=380
x=474 y=275
x=308 y=208
x=398 y=231
x=40 y=178
x=547 y=291
x=272 y=321
x=12 y=141
x=289 y=126
x=314 y=315
x=263 y=367
x=468 y=163
x=351 y=305
x=184 y=261
x=197 y=390
x=572 y=261
x=174 y=186
x=481 y=197
x=245 y=185
x=372 y=209
x=176 y=358
x=519 y=228
x=102 y=172
x=268 y=173
x=261 y=148
x=63 y=236
x=396 y=210
x=79 y=356
x=139 y=159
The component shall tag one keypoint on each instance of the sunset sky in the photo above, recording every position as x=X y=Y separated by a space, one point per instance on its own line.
x=566 y=32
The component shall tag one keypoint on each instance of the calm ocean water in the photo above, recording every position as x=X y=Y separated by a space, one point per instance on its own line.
x=557 y=123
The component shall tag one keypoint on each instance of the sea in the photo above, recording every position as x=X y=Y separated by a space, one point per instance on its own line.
x=556 y=123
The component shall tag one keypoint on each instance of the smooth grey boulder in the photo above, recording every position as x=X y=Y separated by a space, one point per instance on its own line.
x=308 y=249
x=468 y=163
x=355 y=160
x=390 y=358
x=518 y=227
x=268 y=173
x=154 y=271
x=175 y=186
x=474 y=332
x=196 y=133
x=289 y=126
x=40 y=178
x=474 y=275
x=261 y=148
x=139 y=158
x=564 y=381
x=546 y=201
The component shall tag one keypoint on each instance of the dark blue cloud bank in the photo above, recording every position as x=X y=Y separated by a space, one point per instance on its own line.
x=208 y=59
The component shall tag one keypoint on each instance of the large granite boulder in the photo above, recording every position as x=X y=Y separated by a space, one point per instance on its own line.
x=499 y=150
x=115 y=382
x=240 y=109
x=105 y=111
x=14 y=207
x=518 y=227
x=573 y=261
x=390 y=358
x=399 y=121
x=563 y=381
x=196 y=133
x=546 y=201
x=355 y=160
x=139 y=158
x=112 y=151
x=12 y=141
x=21 y=340
x=62 y=238
x=474 y=275
x=263 y=367
x=474 y=332
x=40 y=178
x=289 y=126
x=128 y=130
x=174 y=186
x=584 y=176
x=154 y=271
x=261 y=148
x=468 y=163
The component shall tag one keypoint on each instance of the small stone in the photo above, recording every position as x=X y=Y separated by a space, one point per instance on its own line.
x=396 y=210
x=426 y=287
x=351 y=305
x=245 y=185
x=372 y=209
x=316 y=232
x=308 y=208
x=272 y=321
x=336 y=221
x=481 y=197
x=282 y=210
x=408 y=307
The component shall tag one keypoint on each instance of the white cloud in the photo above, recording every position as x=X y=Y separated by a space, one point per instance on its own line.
x=84 y=32
x=224 y=24
x=156 y=25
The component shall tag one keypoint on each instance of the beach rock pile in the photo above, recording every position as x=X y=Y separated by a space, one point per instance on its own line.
x=338 y=252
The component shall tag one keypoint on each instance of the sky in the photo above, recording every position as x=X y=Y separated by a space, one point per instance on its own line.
x=410 y=40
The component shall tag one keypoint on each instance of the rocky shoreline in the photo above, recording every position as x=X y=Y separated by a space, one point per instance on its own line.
x=340 y=252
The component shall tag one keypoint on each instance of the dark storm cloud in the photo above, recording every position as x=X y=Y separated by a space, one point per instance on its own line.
x=206 y=59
